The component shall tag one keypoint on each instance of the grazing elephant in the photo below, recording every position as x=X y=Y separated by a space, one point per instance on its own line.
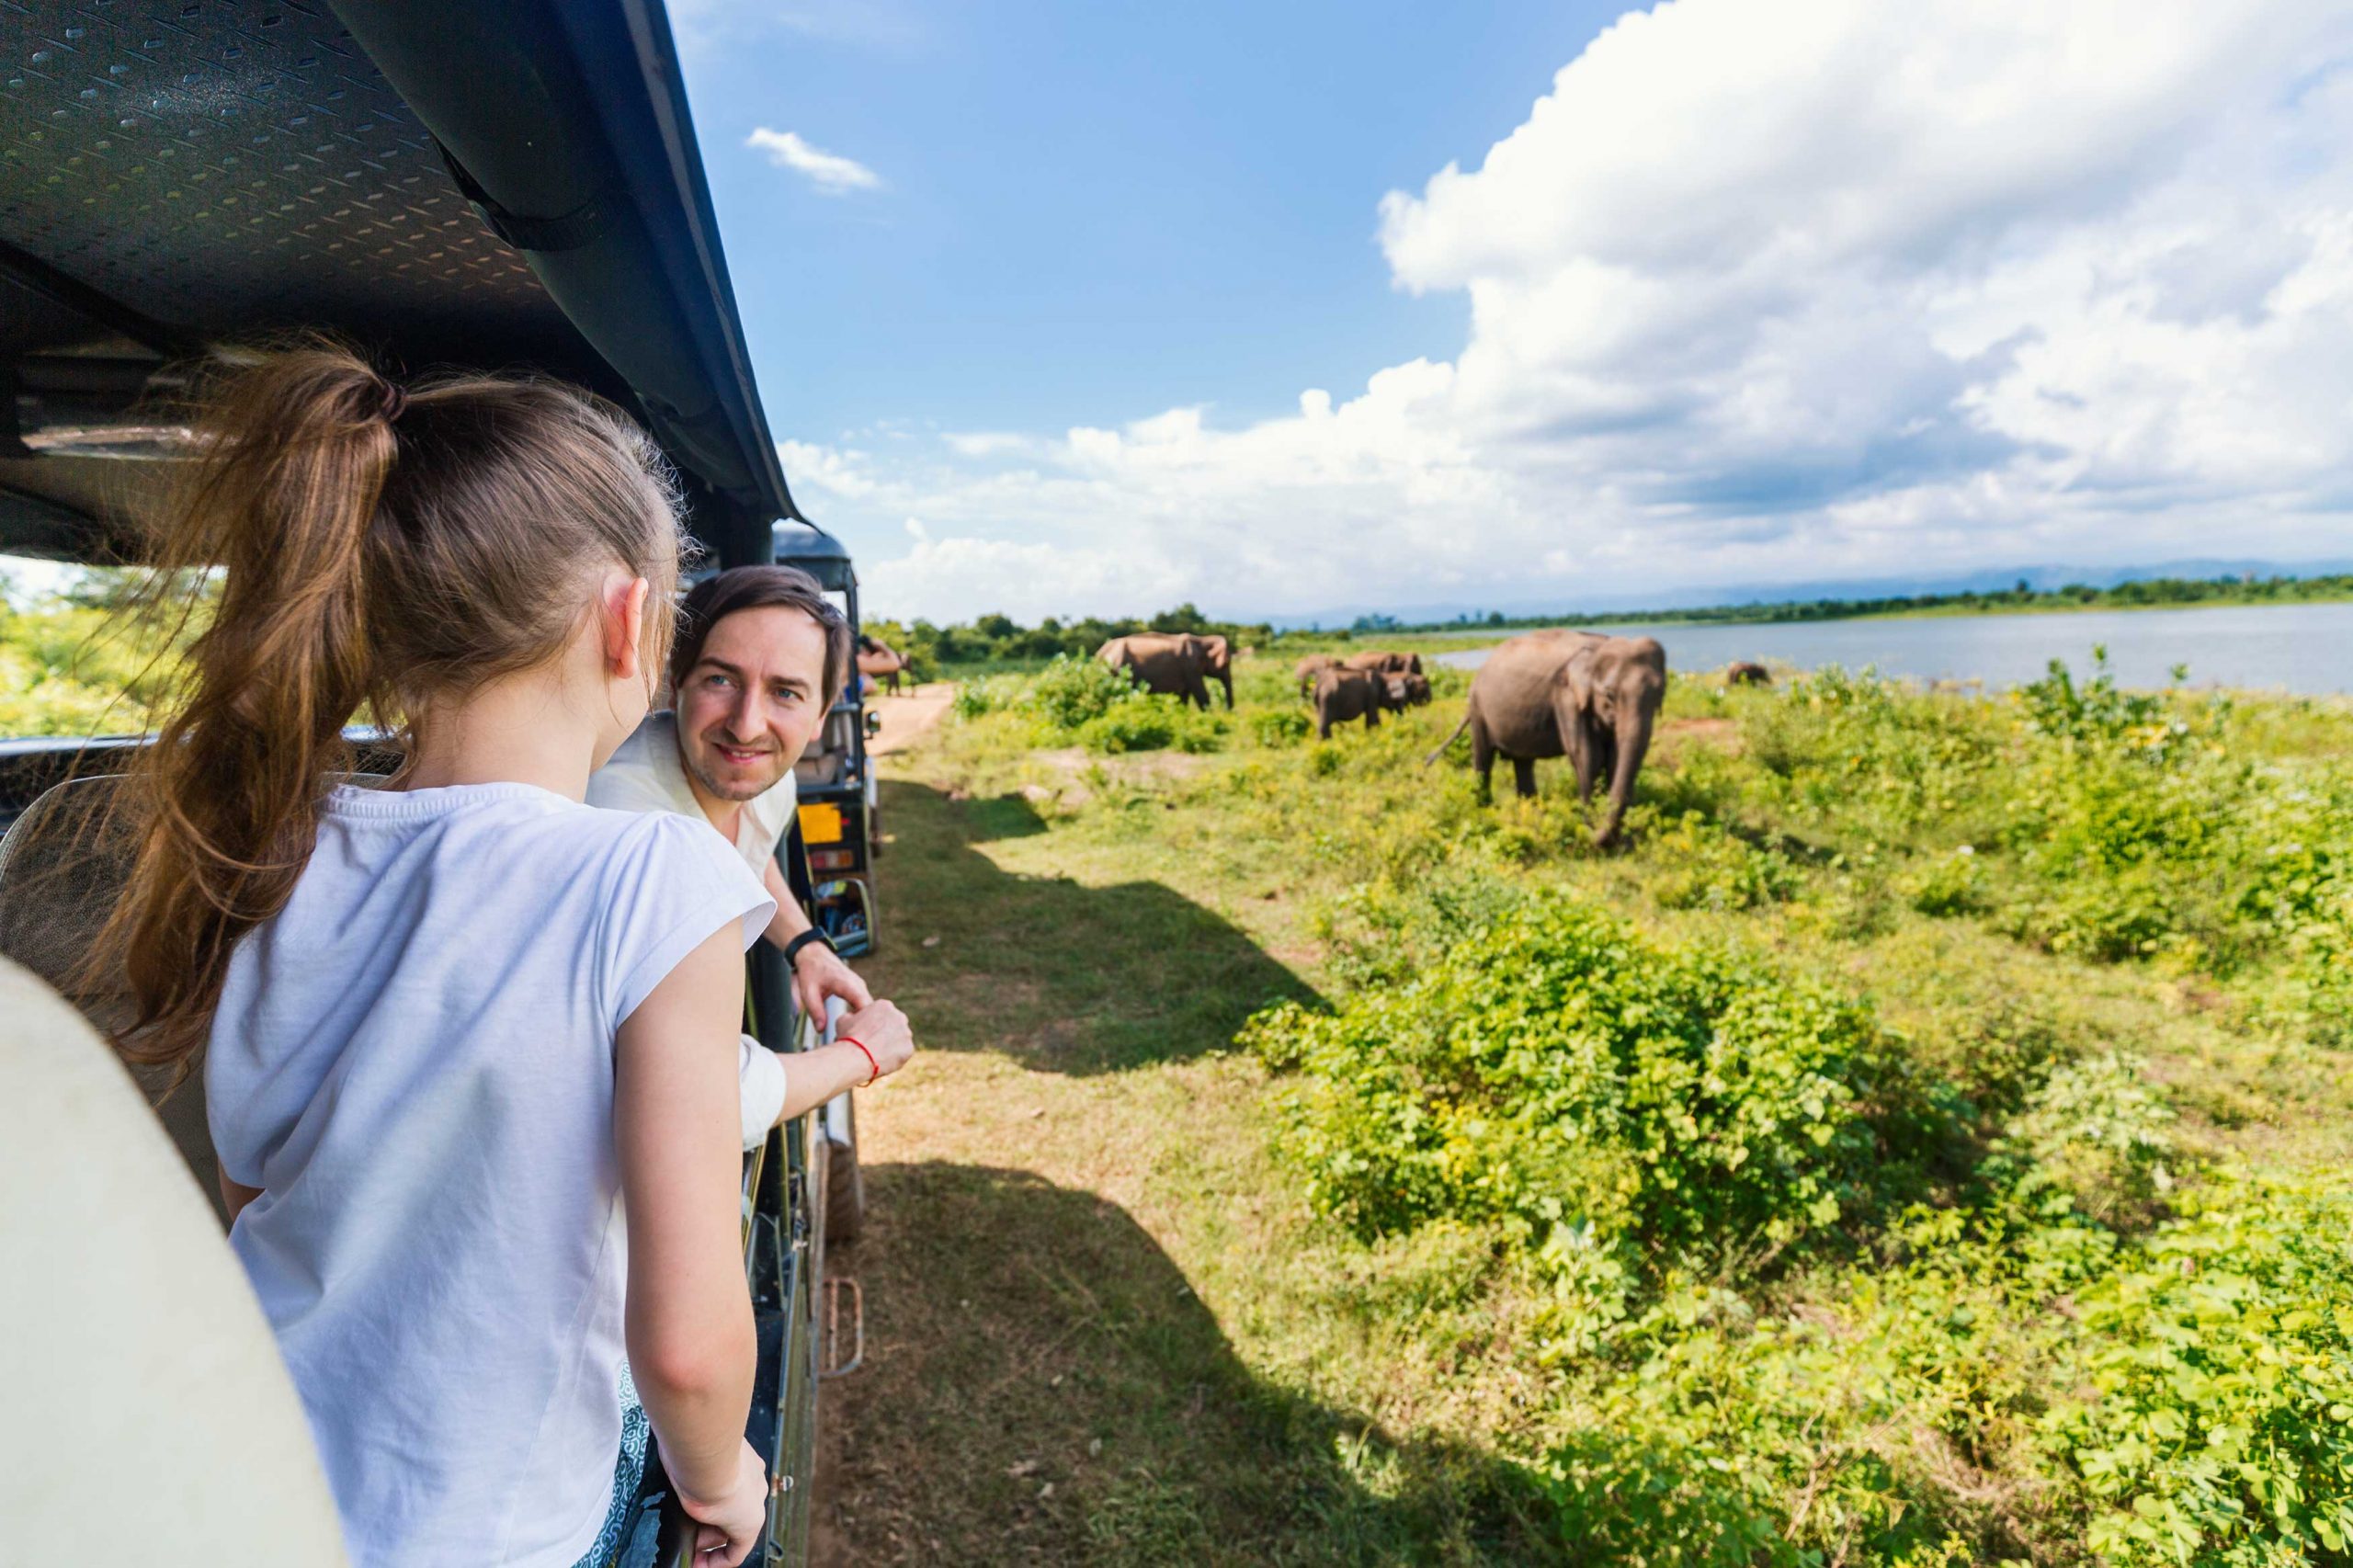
x=1170 y=663
x=1747 y=673
x=1386 y=663
x=1411 y=688
x=1593 y=699
x=1310 y=667
x=1342 y=694
x=1217 y=666
x=879 y=660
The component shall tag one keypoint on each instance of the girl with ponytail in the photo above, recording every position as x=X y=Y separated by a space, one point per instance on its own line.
x=469 y=1045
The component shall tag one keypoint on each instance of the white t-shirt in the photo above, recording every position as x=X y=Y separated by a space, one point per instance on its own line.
x=645 y=775
x=413 y=1061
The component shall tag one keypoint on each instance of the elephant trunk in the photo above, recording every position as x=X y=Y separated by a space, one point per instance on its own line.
x=1634 y=740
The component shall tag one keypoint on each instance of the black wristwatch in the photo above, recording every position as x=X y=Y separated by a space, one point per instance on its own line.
x=792 y=949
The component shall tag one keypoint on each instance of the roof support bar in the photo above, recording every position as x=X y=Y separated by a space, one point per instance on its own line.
x=22 y=266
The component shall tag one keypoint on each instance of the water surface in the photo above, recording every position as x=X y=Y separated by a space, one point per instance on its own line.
x=2298 y=648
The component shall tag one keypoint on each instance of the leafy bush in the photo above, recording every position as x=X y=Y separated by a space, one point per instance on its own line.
x=1711 y=868
x=1149 y=721
x=994 y=694
x=1949 y=885
x=2096 y=711
x=81 y=669
x=1279 y=726
x=2217 y=1427
x=2099 y=1130
x=1072 y=690
x=1618 y=1103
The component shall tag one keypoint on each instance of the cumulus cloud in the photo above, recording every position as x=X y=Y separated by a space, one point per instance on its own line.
x=1825 y=288
x=832 y=173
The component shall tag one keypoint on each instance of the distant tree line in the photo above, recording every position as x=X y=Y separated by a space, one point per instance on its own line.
x=991 y=640
x=2143 y=592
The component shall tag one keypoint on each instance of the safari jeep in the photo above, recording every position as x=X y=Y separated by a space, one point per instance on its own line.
x=502 y=183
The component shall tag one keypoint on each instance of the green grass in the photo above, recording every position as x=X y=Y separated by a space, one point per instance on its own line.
x=2095 y=1065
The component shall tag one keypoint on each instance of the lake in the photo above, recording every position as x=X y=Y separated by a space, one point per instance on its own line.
x=2298 y=648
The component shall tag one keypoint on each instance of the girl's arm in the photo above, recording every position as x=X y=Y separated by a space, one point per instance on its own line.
x=812 y=1078
x=235 y=1196
x=690 y=1318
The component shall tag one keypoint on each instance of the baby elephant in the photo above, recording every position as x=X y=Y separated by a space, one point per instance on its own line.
x=1746 y=672
x=1342 y=694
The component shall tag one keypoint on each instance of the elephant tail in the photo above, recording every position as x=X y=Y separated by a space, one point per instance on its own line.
x=1450 y=739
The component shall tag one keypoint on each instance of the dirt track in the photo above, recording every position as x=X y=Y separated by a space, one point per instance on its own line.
x=904 y=718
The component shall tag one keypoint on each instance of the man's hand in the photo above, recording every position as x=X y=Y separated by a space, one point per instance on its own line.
x=817 y=973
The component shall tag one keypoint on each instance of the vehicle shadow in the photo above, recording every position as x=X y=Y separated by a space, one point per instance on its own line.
x=1060 y=975
x=1042 y=1386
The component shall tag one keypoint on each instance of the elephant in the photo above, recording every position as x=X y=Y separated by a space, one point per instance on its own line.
x=877 y=661
x=1747 y=673
x=1386 y=663
x=1310 y=667
x=1411 y=688
x=1591 y=699
x=1170 y=663
x=1342 y=694
x=1219 y=665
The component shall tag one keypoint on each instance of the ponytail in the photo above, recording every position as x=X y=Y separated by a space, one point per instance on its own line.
x=377 y=550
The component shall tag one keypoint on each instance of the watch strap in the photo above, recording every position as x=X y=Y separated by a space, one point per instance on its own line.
x=792 y=949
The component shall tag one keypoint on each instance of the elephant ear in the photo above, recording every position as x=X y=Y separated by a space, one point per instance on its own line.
x=1578 y=678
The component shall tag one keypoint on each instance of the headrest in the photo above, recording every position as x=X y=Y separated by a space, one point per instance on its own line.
x=63 y=866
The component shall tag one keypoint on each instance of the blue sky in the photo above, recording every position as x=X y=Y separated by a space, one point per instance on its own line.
x=1092 y=211
x=1081 y=308
x=1071 y=307
x=1314 y=308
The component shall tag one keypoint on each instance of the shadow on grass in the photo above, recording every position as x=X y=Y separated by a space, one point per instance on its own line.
x=1061 y=976
x=1043 y=1387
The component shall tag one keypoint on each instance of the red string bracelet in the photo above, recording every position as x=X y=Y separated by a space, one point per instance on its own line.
x=877 y=1066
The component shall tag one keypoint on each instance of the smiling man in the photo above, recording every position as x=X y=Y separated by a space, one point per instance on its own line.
x=759 y=656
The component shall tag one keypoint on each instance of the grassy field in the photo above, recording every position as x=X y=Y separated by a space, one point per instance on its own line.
x=1921 y=1144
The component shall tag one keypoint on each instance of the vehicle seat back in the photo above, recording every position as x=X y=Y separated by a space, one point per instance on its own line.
x=63 y=867
x=150 y=1413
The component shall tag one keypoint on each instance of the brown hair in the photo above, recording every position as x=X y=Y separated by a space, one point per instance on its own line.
x=715 y=598
x=381 y=549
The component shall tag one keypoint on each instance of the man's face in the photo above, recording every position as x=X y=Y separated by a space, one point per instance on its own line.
x=749 y=706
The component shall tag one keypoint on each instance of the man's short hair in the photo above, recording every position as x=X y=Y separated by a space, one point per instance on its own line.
x=715 y=598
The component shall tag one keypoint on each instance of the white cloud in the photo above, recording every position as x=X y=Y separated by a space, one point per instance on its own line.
x=1826 y=288
x=832 y=173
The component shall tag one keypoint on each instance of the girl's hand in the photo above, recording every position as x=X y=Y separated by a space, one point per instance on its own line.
x=882 y=1029
x=728 y=1529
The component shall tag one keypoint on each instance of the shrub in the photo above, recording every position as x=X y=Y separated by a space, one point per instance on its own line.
x=1279 y=726
x=1947 y=885
x=2217 y=1427
x=2096 y=711
x=1619 y=1103
x=1711 y=868
x=2099 y=1129
x=1072 y=690
x=994 y=694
